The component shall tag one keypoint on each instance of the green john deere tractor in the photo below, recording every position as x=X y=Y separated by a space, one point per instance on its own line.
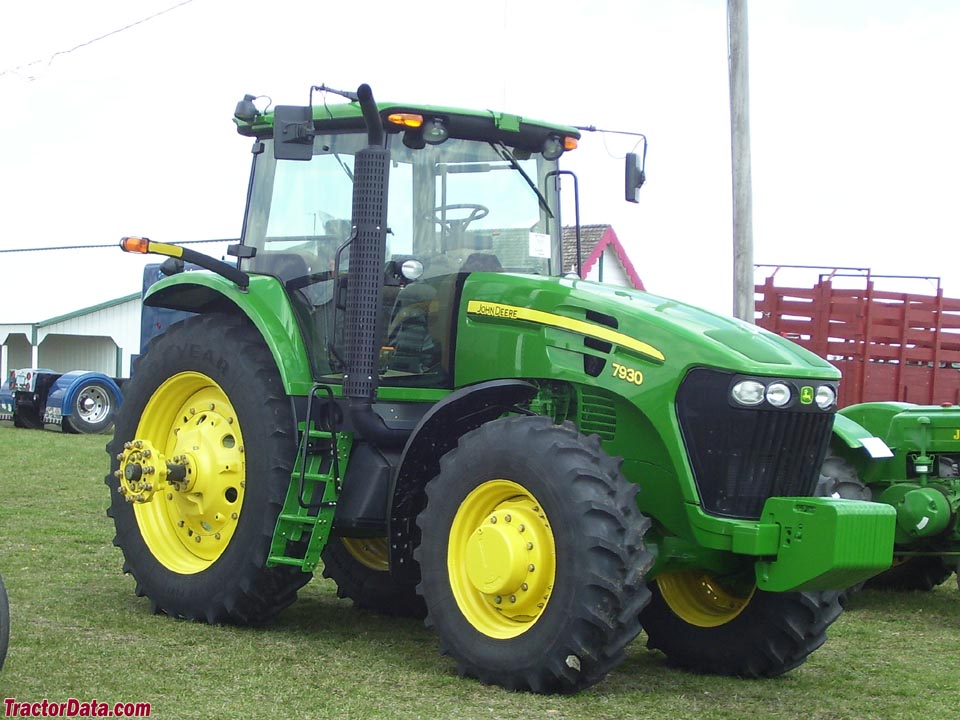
x=400 y=382
x=907 y=456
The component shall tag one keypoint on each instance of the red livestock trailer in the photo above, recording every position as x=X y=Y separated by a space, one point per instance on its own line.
x=889 y=345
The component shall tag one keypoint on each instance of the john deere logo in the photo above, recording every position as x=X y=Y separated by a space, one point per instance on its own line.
x=806 y=395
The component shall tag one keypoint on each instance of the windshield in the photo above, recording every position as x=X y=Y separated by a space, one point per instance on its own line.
x=447 y=203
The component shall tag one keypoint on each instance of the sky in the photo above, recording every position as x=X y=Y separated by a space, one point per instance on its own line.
x=854 y=114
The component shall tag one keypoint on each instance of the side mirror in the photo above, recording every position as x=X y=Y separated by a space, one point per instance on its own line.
x=634 y=176
x=292 y=132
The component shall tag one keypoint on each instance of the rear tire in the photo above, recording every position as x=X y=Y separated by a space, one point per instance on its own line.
x=753 y=634
x=532 y=557
x=208 y=388
x=359 y=567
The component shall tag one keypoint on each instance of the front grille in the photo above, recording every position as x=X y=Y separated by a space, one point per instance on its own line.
x=742 y=456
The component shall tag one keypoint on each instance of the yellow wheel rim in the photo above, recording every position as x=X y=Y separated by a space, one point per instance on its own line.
x=501 y=559
x=369 y=552
x=697 y=598
x=187 y=528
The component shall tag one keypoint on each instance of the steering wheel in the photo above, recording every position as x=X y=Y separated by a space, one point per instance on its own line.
x=459 y=226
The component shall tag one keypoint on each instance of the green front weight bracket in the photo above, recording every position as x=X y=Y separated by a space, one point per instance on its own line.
x=826 y=543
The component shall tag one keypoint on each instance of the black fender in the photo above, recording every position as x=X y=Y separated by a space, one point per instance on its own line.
x=436 y=434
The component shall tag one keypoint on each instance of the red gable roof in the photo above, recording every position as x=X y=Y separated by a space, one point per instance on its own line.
x=594 y=239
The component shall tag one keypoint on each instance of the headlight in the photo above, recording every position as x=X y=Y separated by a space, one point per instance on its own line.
x=748 y=392
x=825 y=397
x=778 y=394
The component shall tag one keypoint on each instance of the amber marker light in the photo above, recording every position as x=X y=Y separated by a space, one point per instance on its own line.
x=569 y=143
x=410 y=120
x=135 y=244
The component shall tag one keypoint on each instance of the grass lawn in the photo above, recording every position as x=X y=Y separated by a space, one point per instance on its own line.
x=78 y=631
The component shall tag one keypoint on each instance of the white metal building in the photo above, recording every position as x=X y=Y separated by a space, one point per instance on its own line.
x=100 y=338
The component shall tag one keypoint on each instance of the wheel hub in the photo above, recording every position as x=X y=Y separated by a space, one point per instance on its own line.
x=93 y=405
x=503 y=556
x=142 y=470
x=188 y=495
x=504 y=559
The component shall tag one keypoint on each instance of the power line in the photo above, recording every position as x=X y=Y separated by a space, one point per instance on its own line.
x=15 y=70
x=109 y=245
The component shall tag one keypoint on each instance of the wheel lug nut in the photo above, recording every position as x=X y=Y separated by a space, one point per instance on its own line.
x=513 y=598
x=169 y=496
x=529 y=546
x=521 y=527
x=127 y=445
x=217 y=536
x=493 y=520
x=197 y=538
x=498 y=599
x=233 y=516
x=119 y=456
x=193 y=411
x=524 y=587
x=212 y=406
x=147 y=453
x=506 y=518
x=138 y=444
x=180 y=523
x=117 y=474
x=530 y=567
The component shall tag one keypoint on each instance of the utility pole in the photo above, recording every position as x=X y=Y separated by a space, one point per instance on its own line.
x=737 y=57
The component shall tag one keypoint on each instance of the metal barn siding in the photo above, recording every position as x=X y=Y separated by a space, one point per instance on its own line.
x=98 y=338
x=102 y=338
x=63 y=353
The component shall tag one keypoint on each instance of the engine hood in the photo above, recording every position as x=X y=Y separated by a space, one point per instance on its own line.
x=681 y=333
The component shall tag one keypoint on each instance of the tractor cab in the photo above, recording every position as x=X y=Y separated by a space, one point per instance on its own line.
x=464 y=194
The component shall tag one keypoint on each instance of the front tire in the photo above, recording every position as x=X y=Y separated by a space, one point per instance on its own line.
x=207 y=394
x=532 y=556
x=708 y=626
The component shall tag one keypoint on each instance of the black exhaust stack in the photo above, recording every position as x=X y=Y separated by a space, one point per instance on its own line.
x=371 y=173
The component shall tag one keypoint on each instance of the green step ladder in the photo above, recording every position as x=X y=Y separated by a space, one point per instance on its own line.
x=306 y=519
